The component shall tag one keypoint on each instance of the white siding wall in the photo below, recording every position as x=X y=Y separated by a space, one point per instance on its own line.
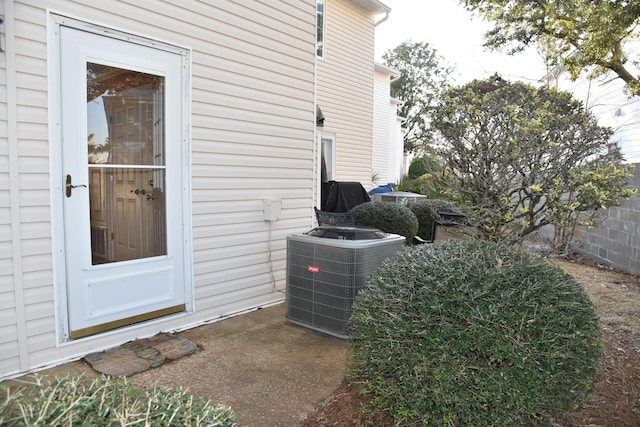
x=345 y=87
x=381 y=126
x=9 y=293
x=252 y=130
x=606 y=98
x=396 y=144
x=29 y=201
x=387 y=151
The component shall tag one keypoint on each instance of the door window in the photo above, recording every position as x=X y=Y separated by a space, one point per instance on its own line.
x=126 y=163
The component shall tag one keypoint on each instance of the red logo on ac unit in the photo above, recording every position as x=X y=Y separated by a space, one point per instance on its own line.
x=313 y=269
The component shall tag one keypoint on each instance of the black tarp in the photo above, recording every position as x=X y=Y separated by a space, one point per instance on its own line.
x=342 y=196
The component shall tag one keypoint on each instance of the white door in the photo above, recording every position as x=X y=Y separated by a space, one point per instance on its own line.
x=122 y=138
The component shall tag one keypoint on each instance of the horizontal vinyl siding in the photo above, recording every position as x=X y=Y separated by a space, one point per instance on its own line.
x=381 y=127
x=34 y=276
x=31 y=110
x=345 y=88
x=10 y=286
x=252 y=140
x=606 y=97
x=252 y=128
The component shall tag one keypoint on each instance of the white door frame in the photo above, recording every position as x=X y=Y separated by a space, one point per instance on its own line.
x=183 y=199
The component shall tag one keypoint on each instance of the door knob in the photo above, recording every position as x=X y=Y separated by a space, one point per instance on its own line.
x=69 y=186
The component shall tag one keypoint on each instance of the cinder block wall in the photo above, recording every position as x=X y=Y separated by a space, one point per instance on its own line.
x=616 y=241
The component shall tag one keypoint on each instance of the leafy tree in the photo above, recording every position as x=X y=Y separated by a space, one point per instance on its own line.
x=420 y=84
x=522 y=157
x=591 y=35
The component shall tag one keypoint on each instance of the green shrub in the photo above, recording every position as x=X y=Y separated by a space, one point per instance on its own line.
x=420 y=185
x=388 y=217
x=72 y=401
x=417 y=167
x=423 y=165
x=425 y=176
x=427 y=212
x=468 y=332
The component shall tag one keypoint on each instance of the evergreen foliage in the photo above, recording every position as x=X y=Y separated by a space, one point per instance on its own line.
x=418 y=167
x=469 y=332
x=392 y=218
x=73 y=401
x=427 y=213
x=593 y=36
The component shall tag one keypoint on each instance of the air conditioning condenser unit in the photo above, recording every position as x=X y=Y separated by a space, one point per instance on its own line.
x=327 y=267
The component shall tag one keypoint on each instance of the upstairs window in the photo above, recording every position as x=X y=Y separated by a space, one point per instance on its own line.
x=320 y=28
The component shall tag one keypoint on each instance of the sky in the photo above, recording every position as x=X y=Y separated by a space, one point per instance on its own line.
x=457 y=36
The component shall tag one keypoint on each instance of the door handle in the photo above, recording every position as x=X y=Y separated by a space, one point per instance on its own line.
x=69 y=186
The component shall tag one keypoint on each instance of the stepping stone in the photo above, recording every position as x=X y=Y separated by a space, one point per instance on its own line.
x=139 y=355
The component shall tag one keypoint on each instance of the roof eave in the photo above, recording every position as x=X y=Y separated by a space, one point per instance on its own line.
x=384 y=69
x=373 y=6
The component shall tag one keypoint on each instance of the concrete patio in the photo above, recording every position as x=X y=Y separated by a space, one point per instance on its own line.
x=269 y=371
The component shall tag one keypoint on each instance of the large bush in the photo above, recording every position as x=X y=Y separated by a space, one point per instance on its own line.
x=388 y=217
x=427 y=213
x=524 y=157
x=468 y=332
x=73 y=401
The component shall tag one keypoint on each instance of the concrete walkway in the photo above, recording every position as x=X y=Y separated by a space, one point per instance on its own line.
x=269 y=371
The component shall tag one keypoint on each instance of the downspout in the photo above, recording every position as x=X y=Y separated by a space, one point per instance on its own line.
x=317 y=147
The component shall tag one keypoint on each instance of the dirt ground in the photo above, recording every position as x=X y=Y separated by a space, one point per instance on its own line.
x=615 y=400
